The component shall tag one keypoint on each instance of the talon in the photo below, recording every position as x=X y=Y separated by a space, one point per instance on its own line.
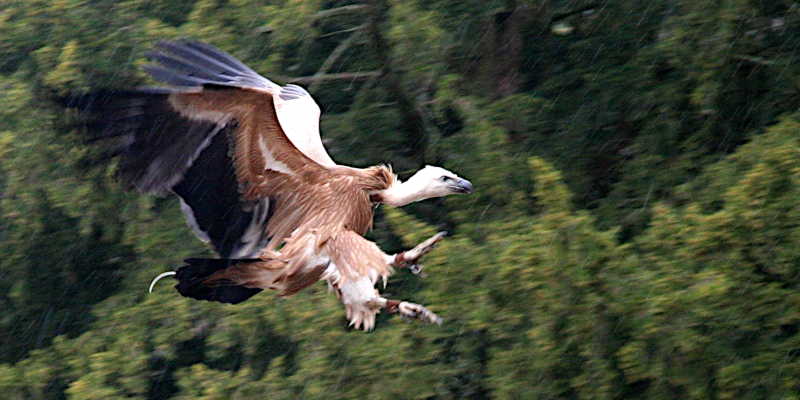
x=415 y=269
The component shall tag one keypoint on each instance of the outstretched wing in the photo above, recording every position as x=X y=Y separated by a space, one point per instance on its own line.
x=191 y=63
x=219 y=88
x=216 y=141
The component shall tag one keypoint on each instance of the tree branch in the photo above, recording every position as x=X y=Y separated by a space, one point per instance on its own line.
x=413 y=120
x=340 y=10
x=558 y=17
x=333 y=57
x=353 y=29
x=754 y=59
x=329 y=77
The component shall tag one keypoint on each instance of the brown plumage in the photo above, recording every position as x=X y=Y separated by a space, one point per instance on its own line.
x=245 y=157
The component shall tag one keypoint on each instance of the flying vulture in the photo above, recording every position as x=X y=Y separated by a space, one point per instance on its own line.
x=244 y=157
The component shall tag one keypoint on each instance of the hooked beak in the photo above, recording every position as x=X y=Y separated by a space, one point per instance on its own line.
x=463 y=186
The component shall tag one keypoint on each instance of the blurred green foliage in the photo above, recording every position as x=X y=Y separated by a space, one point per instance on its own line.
x=634 y=233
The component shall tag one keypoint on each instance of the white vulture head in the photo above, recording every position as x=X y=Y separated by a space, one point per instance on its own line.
x=429 y=182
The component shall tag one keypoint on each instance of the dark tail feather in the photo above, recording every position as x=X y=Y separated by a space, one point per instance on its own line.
x=191 y=279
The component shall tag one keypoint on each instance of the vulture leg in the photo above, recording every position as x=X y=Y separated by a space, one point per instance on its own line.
x=406 y=309
x=410 y=258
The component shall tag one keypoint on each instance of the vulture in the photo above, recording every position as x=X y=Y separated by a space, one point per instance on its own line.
x=245 y=158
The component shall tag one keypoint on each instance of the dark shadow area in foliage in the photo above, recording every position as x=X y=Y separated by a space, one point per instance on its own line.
x=63 y=273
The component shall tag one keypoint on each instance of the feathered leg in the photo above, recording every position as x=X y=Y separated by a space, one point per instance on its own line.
x=357 y=264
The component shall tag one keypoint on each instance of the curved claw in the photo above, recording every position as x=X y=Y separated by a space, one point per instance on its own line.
x=156 y=279
x=416 y=269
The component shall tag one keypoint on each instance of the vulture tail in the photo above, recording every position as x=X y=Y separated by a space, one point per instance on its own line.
x=193 y=280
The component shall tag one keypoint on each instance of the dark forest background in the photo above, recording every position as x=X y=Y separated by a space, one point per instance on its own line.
x=635 y=232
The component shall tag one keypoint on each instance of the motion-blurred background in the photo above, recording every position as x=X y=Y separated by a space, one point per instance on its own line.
x=635 y=233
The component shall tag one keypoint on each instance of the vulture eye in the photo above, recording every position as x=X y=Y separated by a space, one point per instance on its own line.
x=446 y=179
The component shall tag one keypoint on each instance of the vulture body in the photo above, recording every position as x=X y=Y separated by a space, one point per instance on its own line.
x=245 y=158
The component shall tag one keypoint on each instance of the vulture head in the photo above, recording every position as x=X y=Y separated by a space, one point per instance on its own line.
x=427 y=183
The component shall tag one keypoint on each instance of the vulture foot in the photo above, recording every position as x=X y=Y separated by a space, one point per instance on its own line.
x=410 y=258
x=412 y=310
x=416 y=311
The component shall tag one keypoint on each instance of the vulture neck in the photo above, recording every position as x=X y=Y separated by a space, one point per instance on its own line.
x=402 y=193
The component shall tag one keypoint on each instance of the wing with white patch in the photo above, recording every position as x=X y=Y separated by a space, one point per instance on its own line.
x=192 y=64
x=215 y=141
x=217 y=87
x=299 y=115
